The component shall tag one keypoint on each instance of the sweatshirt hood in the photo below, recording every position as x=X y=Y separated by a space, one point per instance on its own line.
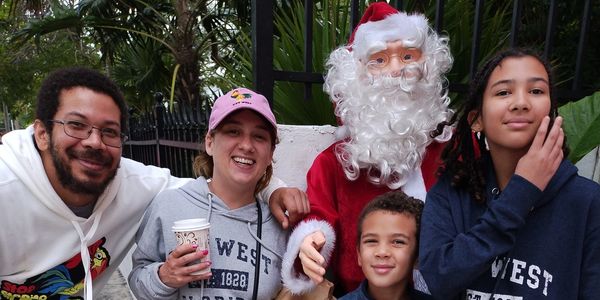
x=565 y=172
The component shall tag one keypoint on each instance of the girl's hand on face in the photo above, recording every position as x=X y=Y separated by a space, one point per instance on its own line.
x=544 y=156
x=176 y=273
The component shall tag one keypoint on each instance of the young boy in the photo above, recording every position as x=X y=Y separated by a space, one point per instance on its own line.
x=388 y=240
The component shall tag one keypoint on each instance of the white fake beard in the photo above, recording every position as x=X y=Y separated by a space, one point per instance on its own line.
x=389 y=120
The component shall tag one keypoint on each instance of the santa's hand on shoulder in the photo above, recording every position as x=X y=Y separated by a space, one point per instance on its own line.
x=310 y=257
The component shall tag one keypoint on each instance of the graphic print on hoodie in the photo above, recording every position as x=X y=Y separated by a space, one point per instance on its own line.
x=60 y=282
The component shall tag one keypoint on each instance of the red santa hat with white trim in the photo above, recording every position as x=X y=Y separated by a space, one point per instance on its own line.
x=381 y=23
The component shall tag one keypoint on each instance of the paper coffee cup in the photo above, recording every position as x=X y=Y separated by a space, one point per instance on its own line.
x=193 y=231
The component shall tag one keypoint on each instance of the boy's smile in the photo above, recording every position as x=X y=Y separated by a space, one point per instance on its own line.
x=387 y=250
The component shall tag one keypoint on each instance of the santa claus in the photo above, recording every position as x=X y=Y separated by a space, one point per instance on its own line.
x=389 y=91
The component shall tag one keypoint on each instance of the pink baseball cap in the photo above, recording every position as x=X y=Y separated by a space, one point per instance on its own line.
x=237 y=99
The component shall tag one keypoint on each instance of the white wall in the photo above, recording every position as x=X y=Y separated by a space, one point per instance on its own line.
x=589 y=165
x=298 y=146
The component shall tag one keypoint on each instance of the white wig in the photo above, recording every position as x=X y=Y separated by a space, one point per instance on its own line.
x=389 y=120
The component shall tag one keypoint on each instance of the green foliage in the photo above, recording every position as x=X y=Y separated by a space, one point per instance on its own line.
x=566 y=40
x=582 y=125
x=458 y=26
x=331 y=29
x=142 y=59
x=23 y=66
x=289 y=98
x=141 y=70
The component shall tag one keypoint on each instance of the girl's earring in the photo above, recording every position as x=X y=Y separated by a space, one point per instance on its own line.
x=478 y=135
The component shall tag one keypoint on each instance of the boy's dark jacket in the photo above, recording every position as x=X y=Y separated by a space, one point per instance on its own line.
x=551 y=239
x=362 y=293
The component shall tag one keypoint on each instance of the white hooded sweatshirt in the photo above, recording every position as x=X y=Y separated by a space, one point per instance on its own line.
x=42 y=240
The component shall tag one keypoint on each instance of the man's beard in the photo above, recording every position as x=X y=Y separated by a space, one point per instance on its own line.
x=65 y=173
x=389 y=120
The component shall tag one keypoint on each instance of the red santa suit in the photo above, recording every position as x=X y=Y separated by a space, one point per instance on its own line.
x=336 y=201
x=339 y=201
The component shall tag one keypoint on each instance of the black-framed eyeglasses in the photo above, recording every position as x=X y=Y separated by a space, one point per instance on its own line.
x=110 y=136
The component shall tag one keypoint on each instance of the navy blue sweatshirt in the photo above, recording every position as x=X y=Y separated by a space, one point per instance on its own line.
x=522 y=244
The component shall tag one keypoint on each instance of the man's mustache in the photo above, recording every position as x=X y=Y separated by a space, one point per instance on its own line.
x=94 y=155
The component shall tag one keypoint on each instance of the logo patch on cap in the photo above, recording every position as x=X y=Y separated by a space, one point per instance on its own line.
x=240 y=96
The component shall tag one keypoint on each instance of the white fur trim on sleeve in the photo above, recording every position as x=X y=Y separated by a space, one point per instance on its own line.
x=296 y=282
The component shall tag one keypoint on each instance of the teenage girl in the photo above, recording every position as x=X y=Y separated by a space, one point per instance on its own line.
x=510 y=218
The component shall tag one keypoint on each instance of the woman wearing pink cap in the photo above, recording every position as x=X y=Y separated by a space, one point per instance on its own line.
x=246 y=241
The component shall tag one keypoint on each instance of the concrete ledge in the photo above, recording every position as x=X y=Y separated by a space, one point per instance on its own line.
x=298 y=146
x=589 y=165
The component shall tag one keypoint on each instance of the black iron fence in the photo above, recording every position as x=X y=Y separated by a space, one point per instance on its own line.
x=265 y=75
x=167 y=137
x=171 y=138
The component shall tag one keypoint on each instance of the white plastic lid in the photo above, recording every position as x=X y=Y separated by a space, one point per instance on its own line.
x=190 y=224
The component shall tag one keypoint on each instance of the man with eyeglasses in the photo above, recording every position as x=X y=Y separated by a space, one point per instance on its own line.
x=69 y=204
x=387 y=85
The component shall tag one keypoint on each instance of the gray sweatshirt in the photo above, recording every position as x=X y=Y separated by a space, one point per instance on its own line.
x=232 y=247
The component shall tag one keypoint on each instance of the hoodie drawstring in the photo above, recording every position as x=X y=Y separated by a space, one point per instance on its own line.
x=261 y=242
x=258 y=247
x=210 y=199
x=85 y=254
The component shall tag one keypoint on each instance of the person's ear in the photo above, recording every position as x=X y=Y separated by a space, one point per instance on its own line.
x=415 y=263
x=41 y=135
x=208 y=144
x=358 y=258
x=474 y=118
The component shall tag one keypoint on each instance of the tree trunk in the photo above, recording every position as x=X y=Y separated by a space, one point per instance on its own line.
x=188 y=79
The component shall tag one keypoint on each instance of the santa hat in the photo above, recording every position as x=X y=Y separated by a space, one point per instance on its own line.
x=382 y=23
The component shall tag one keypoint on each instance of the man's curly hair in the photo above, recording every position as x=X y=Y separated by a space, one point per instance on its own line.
x=67 y=78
